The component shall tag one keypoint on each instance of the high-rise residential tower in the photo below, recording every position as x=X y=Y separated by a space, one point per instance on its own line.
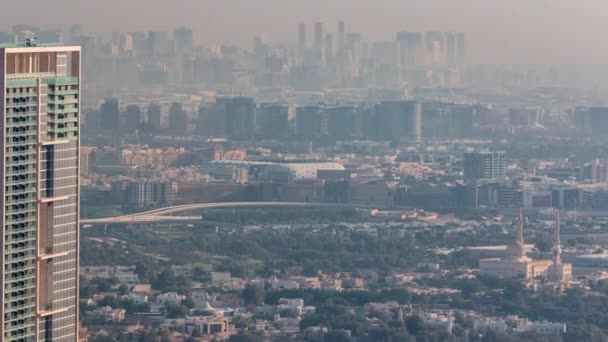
x=398 y=120
x=484 y=165
x=302 y=43
x=40 y=106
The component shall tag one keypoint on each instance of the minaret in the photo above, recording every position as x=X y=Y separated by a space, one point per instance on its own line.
x=517 y=249
x=519 y=237
x=557 y=249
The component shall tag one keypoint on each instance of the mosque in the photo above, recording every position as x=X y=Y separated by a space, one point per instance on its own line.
x=517 y=265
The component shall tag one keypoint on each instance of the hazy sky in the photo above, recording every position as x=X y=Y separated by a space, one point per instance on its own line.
x=538 y=31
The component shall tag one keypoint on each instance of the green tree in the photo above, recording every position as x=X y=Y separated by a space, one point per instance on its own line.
x=123 y=289
x=243 y=337
x=415 y=325
x=188 y=302
x=336 y=336
x=254 y=295
x=176 y=310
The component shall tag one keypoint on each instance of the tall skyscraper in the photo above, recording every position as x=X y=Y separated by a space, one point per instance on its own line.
x=450 y=51
x=343 y=122
x=329 y=48
x=319 y=36
x=274 y=121
x=302 y=38
x=239 y=116
x=399 y=120
x=159 y=44
x=183 y=40
x=309 y=122
x=410 y=49
x=597 y=121
x=341 y=36
x=178 y=119
x=155 y=117
x=110 y=115
x=435 y=48
x=133 y=118
x=41 y=113
x=460 y=48
x=319 y=54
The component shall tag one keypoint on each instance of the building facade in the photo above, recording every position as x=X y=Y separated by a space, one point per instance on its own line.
x=40 y=174
x=484 y=165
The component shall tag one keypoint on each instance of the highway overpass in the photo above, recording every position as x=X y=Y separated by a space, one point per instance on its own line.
x=165 y=214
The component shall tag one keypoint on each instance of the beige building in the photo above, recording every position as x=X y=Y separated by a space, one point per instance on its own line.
x=527 y=269
x=517 y=265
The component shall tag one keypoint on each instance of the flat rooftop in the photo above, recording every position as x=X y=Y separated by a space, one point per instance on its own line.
x=25 y=45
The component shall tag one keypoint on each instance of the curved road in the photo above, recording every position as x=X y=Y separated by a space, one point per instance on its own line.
x=163 y=214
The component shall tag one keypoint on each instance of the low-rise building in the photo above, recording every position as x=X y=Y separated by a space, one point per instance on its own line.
x=124 y=274
x=216 y=326
x=108 y=314
x=169 y=298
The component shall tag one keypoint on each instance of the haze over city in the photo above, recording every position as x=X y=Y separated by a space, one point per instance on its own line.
x=303 y=171
x=517 y=31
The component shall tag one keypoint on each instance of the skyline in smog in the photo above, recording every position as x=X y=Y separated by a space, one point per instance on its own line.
x=520 y=32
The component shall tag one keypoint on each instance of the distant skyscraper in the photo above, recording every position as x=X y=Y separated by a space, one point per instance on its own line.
x=343 y=122
x=159 y=44
x=40 y=106
x=598 y=121
x=86 y=153
x=302 y=44
x=329 y=48
x=155 y=118
x=178 y=120
x=460 y=48
x=450 y=42
x=133 y=117
x=319 y=45
x=274 y=121
x=353 y=53
x=258 y=44
x=399 y=120
x=435 y=48
x=484 y=165
x=319 y=36
x=239 y=116
x=183 y=39
x=341 y=36
x=110 y=115
x=460 y=120
x=410 y=48
x=309 y=122
x=384 y=62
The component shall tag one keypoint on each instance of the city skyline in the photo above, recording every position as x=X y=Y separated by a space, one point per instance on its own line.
x=499 y=34
x=303 y=171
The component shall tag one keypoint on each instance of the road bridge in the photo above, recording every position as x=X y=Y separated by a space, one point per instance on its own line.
x=165 y=214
